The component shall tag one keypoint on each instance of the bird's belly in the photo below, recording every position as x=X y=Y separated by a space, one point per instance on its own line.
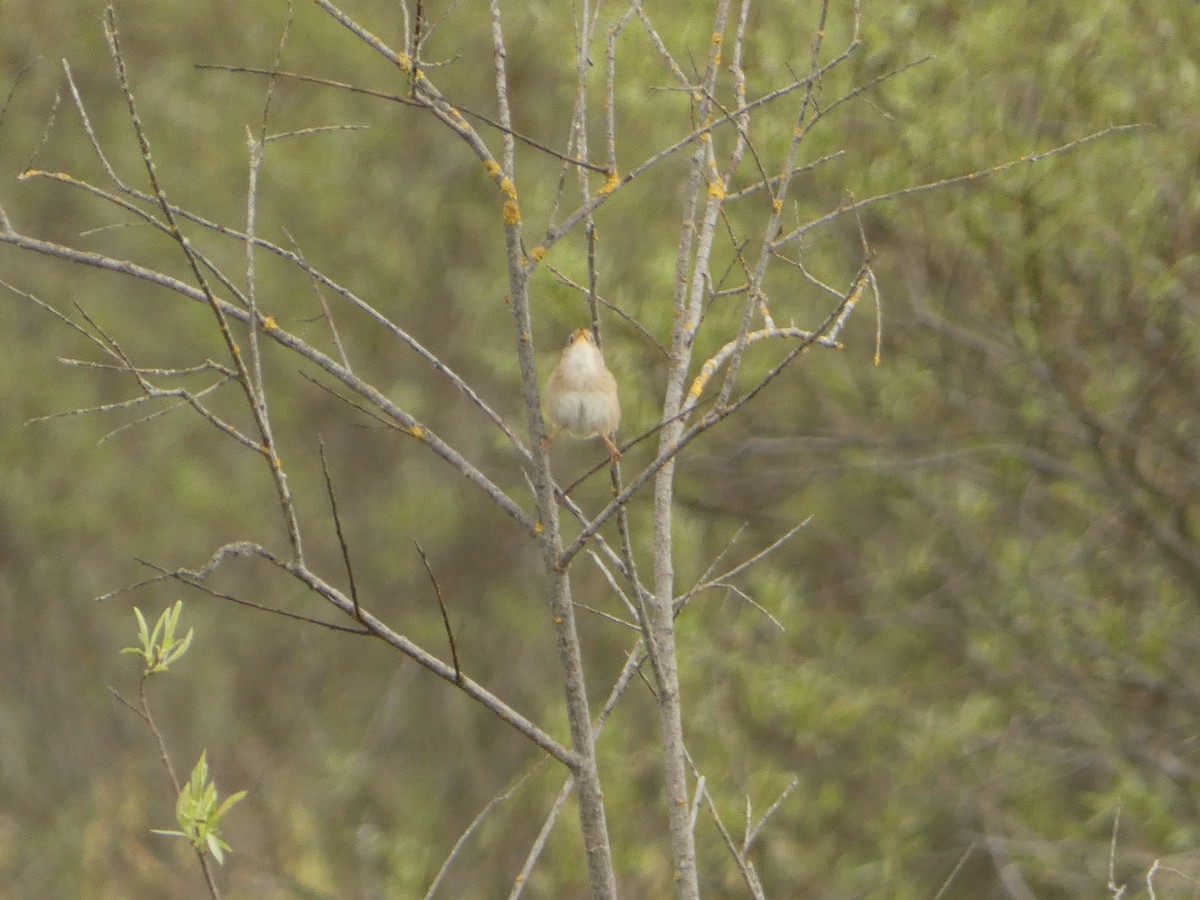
x=582 y=413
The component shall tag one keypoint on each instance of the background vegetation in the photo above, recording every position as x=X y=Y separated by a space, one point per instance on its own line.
x=990 y=623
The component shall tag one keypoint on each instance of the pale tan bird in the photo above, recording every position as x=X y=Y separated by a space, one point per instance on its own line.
x=581 y=394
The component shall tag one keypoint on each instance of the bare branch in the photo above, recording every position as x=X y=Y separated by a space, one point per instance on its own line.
x=254 y=396
x=376 y=627
x=407 y=423
x=744 y=865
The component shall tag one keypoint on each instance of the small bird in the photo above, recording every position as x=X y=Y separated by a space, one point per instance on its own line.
x=581 y=394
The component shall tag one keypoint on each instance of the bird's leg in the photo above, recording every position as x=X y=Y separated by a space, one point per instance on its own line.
x=613 y=453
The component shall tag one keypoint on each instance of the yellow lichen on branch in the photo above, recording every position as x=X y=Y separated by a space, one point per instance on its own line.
x=611 y=183
x=701 y=382
x=512 y=209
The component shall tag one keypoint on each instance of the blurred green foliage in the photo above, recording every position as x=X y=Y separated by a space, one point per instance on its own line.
x=989 y=625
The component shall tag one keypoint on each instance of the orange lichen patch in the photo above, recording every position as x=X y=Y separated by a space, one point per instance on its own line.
x=404 y=61
x=417 y=431
x=537 y=254
x=507 y=188
x=491 y=167
x=512 y=212
x=269 y=323
x=777 y=205
x=717 y=189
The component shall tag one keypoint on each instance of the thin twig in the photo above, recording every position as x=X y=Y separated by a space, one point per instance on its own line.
x=475 y=823
x=337 y=524
x=437 y=590
x=967 y=178
x=1117 y=891
x=954 y=872
x=743 y=864
x=752 y=833
x=705 y=583
x=165 y=756
x=539 y=842
x=406 y=101
x=189 y=578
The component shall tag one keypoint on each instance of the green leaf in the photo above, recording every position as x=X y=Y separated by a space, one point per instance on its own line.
x=199 y=814
x=160 y=648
